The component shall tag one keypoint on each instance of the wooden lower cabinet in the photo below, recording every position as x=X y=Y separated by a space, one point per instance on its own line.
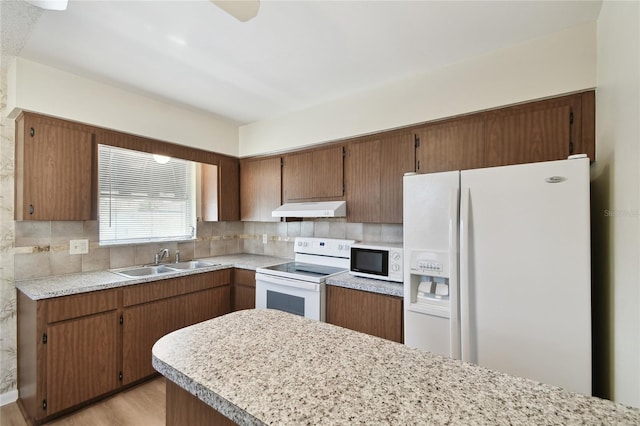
x=158 y=308
x=244 y=289
x=74 y=349
x=186 y=409
x=82 y=360
x=371 y=313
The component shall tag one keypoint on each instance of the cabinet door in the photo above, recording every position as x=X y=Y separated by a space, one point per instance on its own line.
x=260 y=189
x=81 y=360
x=397 y=153
x=371 y=313
x=373 y=177
x=209 y=192
x=313 y=175
x=244 y=289
x=229 y=190
x=363 y=180
x=203 y=305
x=539 y=131
x=453 y=145
x=143 y=325
x=55 y=171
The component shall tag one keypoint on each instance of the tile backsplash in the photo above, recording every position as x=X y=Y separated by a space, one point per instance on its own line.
x=42 y=248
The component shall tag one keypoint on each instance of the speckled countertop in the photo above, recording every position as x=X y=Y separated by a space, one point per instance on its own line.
x=64 y=285
x=268 y=367
x=374 y=286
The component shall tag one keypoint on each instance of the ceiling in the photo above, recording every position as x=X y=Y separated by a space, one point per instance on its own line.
x=293 y=55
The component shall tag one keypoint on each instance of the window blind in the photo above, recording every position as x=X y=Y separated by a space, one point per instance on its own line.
x=143 y=200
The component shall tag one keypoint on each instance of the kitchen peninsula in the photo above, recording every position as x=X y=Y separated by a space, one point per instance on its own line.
x=259 y=367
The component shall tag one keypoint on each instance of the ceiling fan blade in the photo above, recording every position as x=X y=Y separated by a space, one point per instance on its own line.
x=242 y=10
x=49 y=4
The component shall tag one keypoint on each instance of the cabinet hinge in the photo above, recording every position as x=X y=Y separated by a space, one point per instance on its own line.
x=44 y=338
x=344 y=188
x=44 y=404
x=416 y=141
x=344 y=152
x=281 y=162
x=31 y=209
x=570 y=132
x=120 y=376
x=121 y=319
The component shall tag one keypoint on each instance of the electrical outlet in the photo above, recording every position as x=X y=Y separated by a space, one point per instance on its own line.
x=264 y=238
x=78 y=246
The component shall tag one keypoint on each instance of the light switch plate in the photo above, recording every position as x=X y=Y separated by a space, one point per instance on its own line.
x=78 y=246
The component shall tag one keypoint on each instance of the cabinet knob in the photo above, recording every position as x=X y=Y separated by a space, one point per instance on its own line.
x=30 y=208
x=32 y=132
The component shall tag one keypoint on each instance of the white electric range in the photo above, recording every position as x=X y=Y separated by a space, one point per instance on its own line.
x=298 y=287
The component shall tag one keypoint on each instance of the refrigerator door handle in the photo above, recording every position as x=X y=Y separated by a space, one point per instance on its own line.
x=454 y=299
x=465 y=320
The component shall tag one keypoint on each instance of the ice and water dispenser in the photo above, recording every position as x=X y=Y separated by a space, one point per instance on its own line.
x=430 y=312
x=429 y=282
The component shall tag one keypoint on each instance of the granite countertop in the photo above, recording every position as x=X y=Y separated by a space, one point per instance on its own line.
x=262 y=367
x=65 y=285
x=366 y=284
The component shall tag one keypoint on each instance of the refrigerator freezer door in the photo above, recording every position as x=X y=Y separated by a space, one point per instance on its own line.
x=527 y=281
x=430 y=226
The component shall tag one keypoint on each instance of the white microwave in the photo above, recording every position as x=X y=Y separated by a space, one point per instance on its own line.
x=383 y=262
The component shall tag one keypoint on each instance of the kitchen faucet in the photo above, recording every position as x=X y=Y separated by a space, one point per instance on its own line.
x=157 y=258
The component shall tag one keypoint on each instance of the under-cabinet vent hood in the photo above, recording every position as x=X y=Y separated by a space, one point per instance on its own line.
x=312 y=209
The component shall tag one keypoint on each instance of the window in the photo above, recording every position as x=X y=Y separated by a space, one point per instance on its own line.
x=144 y=197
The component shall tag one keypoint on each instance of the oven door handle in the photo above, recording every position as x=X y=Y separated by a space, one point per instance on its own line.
x=288 y=282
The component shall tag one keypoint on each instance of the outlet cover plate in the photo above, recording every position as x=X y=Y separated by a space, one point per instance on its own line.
x=78 y=246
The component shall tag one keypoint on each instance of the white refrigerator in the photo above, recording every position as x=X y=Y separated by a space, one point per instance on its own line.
x=497 y=269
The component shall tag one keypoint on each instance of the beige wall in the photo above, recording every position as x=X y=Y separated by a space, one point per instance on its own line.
x=616 y=204
x=39 y=88
x=560 y=63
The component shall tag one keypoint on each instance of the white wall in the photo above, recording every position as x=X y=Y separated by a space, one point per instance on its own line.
x=560 y=63
x=616 y=202
x=39 y=88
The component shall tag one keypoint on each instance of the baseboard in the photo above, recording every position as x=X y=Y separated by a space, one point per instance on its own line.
x=8 y=397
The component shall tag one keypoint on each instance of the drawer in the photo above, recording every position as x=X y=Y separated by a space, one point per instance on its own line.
x=244 y=277
x=143 y=293
x=79 y=305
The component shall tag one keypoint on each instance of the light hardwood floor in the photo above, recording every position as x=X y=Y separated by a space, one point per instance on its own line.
x=140 y=405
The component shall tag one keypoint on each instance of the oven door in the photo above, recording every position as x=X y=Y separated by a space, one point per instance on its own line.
x=290 y=295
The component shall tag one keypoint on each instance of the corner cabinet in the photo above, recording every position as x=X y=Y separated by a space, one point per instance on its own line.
x=371 y=313
x=54 y=169
x=260 y=189
x=315 y=174
x=73 y=349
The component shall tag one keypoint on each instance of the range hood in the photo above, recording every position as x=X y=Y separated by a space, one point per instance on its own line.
x=312 y=209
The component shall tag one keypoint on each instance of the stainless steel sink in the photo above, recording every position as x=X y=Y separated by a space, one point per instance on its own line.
x=144 y=271
x=193 y=264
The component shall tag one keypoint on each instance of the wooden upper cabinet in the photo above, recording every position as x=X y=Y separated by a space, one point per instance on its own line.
x=373 y=177
x=452 y=145
x=220 y=190
x=315 y=174
x=260 y=189
x=54 y=170
x=538 y=131
x=229 y=189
